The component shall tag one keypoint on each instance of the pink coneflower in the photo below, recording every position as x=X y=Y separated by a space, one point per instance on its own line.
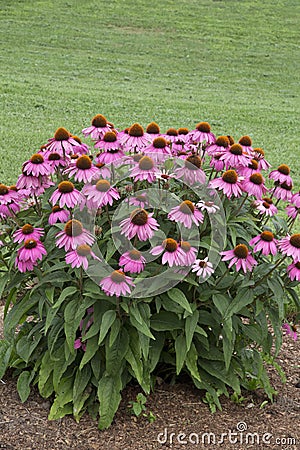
x=28 y=232
x=229 y=183
x=133 y=261
x=202 y=133
x=140 y=224
x=29 y=255
x=209 y=207
x=283 y=192
x=117 y=283
x=9 y=210
x=246 y=143
x=100 y=194
x=203 y=268
x=171 y=135
x=265 y=206
x=259 y=155
x=152 y=130
x=144 y=170
x=62 y=143
x=79 y=344
x=37 y=165
x=291 y=330
x=240 y=257
x=292 y=211
x=58 y=214
x=172 y=252
x=296 y=199
x=8 y=195
x=219 y=147
x=73 y=235
x=217 y=163
x=235 y=156
x=103 y=171
x=290 y=246
x=135 y=139
x=254 y=185
x=251 y=168
x=109 y=142
x=29 y=182
x=294 y=271
x=191 y=173
x=56 y=160
x=67 y=195
x=186 y=213
x=79 y=256
x=140 y=200
x=99 y=127
x=158 y=150
x=282 y=175
x=264 y=242
x=189 y=253
x=82 y=169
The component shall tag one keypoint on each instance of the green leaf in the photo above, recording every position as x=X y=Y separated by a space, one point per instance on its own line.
x=191 y=362
x=66 y=292
x=181 y=351
x=23 y=385
x=114 y=331
x=115 y=355
x=190 y=327
x=109 y=397
x=107 y=320
x=91 y=348
x=221 y=302
x=5 y=352
x=166 y=321
x=139 y=323
x=18 y=311
x=178 y=296
x=82 y=379
x=62 y=403
x=243 y=298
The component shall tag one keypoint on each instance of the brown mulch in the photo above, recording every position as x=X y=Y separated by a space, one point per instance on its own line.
x=178 y=409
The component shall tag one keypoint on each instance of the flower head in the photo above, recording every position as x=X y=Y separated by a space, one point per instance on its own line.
x=145 y=169
x=240 y=257
x=73 y=235
x=140 y=224
x=79 y=256
x=229 y=183
x=203 y=268
x=290 y=246
x=282 y=175
x=28 y=232
x=264 y=242
x=254 y=185
x=100 y=194
x=202 y=133
x=82 y=169
x=132 y=261
x=37 y=165
x=186 y=213
x=29 y=255
x=99 y=127
x=117 y=283
x=291 y=330
x=67 y=195
x=58 y=214
x=173 y=254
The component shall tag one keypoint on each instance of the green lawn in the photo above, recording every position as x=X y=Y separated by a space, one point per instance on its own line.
x=232 y=63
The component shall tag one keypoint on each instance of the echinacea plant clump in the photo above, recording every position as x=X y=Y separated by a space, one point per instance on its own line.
x=143 y=254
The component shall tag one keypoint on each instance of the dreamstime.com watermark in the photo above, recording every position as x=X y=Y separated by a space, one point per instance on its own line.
x=240 y=435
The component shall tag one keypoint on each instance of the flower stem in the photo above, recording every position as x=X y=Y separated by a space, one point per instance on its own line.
x=269 y=273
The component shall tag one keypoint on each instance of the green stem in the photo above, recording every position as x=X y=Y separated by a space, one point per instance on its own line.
x=269 y=273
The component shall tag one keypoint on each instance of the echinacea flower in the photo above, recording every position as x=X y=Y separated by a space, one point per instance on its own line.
x=282 y=175
x=207 y=206
x=203 y=268
x=171 y=135
x=56 y=160
x=111 y=148
x=293 y=271
x=290 y=246
x=117 y=283
x=240 y=257
x=37 y=165
x=62 y=143
x=100 y=194
x=8 y=195
x=191 y=173
x=283 y=192
x=259 y=155
x=296 y=199
x=79 y=344
x=230 y=183
x=202 y=133
x=264 y=242
x=220 y=146
x=292 y=211
x=140 y=200
x=186 y=213
x=254 y=185
x=58 y=214
x=135 y=139
x=172 y=252
x=28 y=232
x=291 y=330
x=67 y=195
x=216 y=163
x=29 y=255
x=145 y=169
x=265 y=206
x=234 y=156
x=82 y=169
x=190 y=253
x=250 y=169
x=153 y=130
x=140 y=224
x=99 y=127
x=73 y=235
x=79 y=256
x=246 y=143
x=132 y=261
x=158 y=150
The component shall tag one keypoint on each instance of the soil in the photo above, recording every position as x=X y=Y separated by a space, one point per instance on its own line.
x=178 y=409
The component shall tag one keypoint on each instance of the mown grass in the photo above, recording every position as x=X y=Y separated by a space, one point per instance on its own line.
x=235 y=64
